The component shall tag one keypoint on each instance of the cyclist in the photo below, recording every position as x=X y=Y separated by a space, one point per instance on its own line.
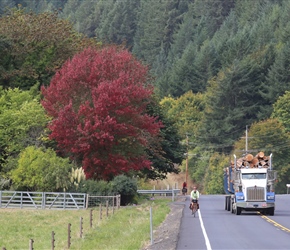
x=184 y=188
x=194 y=196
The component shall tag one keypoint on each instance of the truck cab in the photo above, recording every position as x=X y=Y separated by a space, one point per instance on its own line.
x=250 y=189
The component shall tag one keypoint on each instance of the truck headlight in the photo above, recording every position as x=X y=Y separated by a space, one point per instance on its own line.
x=270 y=197
x=240 y=197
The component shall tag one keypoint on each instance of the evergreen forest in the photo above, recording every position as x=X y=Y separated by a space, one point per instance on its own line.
x=220 y=70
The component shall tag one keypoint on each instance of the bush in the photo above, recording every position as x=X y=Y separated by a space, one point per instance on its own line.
x=126 y=187
x=91 y=187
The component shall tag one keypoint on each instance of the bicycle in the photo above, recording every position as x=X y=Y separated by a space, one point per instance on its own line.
x=193 y=208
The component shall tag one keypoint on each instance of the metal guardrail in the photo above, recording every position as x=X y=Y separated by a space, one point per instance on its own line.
x=172 y=192
x=161 y=191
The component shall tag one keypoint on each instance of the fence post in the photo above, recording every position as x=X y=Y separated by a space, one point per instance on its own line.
x=52 y=240
x=107 y=208
x=21 y=203
x=87 y=201
x=113 y=204
x=43 y=200
x=91 y=218
x=64 y=200
x=81 y=227
x=119 y=201
x=101 y=211
x=68 y=235
x=31 y=244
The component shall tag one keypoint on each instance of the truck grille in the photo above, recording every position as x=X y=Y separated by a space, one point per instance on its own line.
x=255 y=194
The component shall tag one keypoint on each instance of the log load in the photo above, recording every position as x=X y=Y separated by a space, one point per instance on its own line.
x=250 y=161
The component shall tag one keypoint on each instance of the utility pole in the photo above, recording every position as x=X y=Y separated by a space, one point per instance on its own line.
x=186 y=169
x=246 y=139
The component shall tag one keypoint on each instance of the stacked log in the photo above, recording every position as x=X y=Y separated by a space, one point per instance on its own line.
x=250 y=161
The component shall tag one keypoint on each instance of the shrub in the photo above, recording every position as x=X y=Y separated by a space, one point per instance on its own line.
x=126 y=187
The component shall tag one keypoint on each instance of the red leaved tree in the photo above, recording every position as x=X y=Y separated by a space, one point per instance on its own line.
x=98 y=104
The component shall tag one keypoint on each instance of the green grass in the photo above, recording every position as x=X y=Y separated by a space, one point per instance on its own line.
x=127 y=228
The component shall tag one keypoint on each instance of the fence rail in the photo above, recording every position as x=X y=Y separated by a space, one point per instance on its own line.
x=42 y=200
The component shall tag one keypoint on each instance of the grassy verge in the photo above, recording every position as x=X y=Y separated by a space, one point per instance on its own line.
x=127 y=228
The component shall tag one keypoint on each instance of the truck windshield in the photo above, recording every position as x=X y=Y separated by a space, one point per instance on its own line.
x=254 y=176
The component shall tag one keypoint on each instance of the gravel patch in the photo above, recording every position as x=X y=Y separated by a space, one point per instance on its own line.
x=166 y=235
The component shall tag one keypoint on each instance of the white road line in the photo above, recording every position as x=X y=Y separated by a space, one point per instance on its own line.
x=208 y=246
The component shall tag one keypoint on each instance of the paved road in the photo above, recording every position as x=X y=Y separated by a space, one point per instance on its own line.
x=216 y=228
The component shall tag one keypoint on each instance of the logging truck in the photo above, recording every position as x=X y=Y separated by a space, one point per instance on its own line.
x=249 y=184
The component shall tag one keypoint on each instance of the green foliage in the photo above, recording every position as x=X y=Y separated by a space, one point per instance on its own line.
x=282 y=110
x=85 y=15
x=126 y=187
x=93 y=187
x=150 y=30
x=165 y=151
x=41 y=170
x=214 y=174
x=278 y=78
x=197 y=166
x=232 y=102
x=186 y=112
x=23 y=121
x=235 y=53
x=119 y=25
x=38 y=45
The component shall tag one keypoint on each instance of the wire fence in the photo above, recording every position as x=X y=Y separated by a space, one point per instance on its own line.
x=99 y=208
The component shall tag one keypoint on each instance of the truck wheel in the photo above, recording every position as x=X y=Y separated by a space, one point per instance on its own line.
x=226 y=202
x=229 y=203
x=271 y=211
x=238 y=210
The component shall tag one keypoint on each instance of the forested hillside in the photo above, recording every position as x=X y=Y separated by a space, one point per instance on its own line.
x=217 y=67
